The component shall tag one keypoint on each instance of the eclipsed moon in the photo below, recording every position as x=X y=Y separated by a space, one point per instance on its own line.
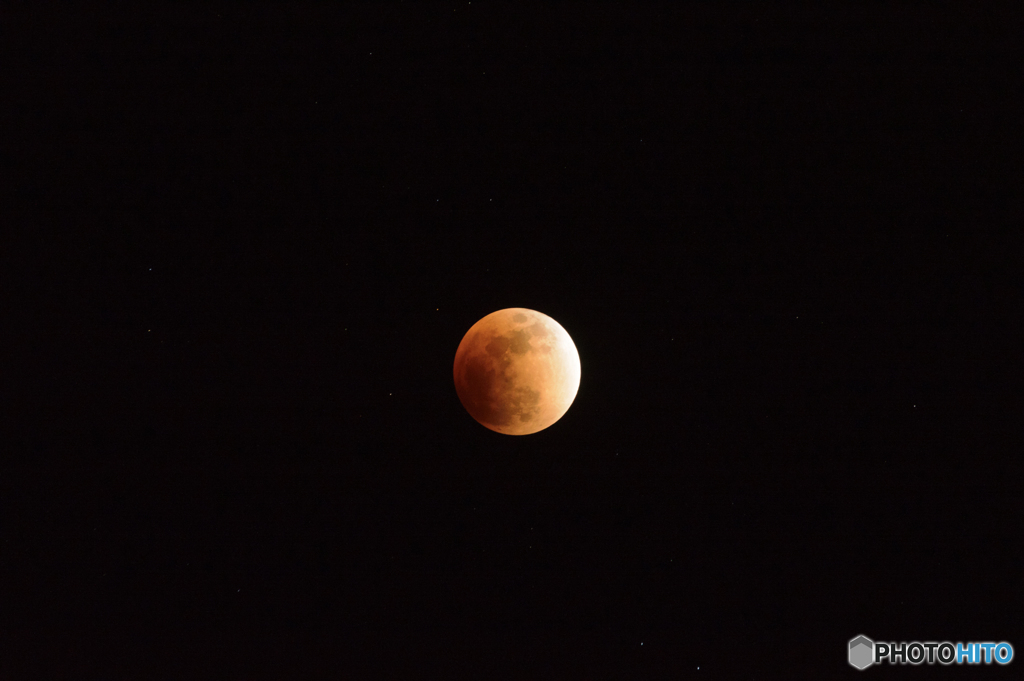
x=517 y=371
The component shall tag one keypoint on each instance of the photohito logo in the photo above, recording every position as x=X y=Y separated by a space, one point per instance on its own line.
x=863 y=652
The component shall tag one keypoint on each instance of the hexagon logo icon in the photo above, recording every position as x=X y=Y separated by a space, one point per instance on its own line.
x=862 y=652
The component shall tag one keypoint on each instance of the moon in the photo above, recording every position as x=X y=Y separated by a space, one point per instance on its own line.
x=517 y=371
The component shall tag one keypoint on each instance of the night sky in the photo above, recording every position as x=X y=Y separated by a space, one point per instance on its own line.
x=241 y=245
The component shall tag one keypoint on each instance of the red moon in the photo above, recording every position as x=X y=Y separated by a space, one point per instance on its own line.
x=517 y=371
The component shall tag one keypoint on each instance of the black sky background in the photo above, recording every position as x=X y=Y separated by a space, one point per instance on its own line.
x=242 y=243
